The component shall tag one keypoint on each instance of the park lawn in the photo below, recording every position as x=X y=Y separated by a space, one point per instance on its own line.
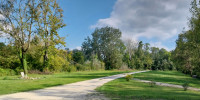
x=120 y=89
x=172 y=77
x=12 y=84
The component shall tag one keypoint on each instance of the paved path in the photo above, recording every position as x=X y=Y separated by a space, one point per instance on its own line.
x=74 y=91
x=169 y=85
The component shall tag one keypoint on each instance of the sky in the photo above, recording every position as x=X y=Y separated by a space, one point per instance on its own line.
x=80 y=15
x=157 y=22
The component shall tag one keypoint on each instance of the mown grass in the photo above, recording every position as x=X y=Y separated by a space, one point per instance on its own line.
x=12 y=84
x=172 y=77
x=120 y=89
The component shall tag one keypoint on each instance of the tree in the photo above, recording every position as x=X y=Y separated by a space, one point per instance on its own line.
x=139 y=56
x=131 y=48
x=147 y=58
x=78 y=56
x=87 y=48
x=49 y=23
x=187 y=53
x=106 y=43
x=19 y=19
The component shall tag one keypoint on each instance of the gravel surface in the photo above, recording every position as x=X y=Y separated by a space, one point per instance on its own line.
x=166 y=84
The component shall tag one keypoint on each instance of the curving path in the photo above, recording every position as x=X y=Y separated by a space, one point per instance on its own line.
x=73 y=91
x=168 y=85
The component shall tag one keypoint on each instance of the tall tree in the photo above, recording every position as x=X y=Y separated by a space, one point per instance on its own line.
x=19 y=19
x=49 y=23
x=147 y=56
x=87 y=48
x=106 y=43
x=187 y=52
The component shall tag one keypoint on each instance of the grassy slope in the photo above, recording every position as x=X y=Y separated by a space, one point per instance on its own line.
x=11 y=84
x=120 y=89
x=172 y=77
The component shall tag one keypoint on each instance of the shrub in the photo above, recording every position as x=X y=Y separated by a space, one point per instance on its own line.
x=128 y=77
x=124 y=67
x=79 y=67
x=18 y=70
x=185 y=86
x=71 y=69
x=7 y=78
x=152 y=83
x=7 y=72
x=2 y=72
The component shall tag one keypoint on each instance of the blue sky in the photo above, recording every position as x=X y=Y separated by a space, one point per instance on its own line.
x=157 y=22
x=79 y=15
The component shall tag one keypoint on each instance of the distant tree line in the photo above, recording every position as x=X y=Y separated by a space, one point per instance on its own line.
x=106 y=43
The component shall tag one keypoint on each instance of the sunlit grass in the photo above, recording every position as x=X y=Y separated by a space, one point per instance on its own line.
x=120 y=89
x=172 y=77
x=12 y=84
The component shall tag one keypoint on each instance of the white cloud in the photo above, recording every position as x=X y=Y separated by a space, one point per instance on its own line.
x=159 y=45
x=1 y=16
x=78 y=48
x=151 y=19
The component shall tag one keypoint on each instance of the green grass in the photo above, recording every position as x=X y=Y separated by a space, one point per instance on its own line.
x=120 y=89
x=172 y=77
x=12 y=84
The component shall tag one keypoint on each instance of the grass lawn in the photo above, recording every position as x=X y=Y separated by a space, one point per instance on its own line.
x=172 y=77
x=120 y=89
x=12 y=84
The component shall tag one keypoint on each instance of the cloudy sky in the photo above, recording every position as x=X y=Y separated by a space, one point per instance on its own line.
x=157 y=22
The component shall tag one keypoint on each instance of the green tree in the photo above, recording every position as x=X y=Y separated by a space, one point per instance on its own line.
x=106 y=43
x=87 y=48
x=78 y=56
x=187 y=53
x=49 y=23
x=131 y=49
x=19 y=18
x=147 y=58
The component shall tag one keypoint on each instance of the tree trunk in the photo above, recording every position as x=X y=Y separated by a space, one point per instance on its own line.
x=24 y=62
x=45 y=55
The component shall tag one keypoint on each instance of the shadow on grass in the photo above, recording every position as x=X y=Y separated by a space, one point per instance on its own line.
x=91 y=75
x=169 y=77
x=136 y=90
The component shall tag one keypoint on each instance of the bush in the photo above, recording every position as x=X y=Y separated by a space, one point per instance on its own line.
x=128 y=77
x=124 y=67
x=7 y=72
x=185 y=86
x=80 y=67
x=2 y=72
x=71 y=69
x=152 y=83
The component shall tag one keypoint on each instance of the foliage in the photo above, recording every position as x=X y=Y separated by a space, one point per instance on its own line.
x=107 y=45
x=71 y=68
x=19 y=19
x=7 y=72
x=185 y=86
x=78 y=57
x=187 y=53
x=49 y=22
x=128 y=77
x=142 y=56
